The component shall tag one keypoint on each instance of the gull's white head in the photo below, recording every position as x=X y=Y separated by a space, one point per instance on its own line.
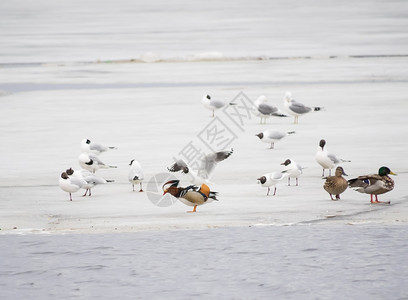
x=288 y=96
x=261 y=99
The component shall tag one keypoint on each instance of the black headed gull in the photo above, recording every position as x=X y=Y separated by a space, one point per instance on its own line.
x=70 y=185
x=295 y=108
x=136 y=175
x=191 y=195
x=326 y=159
x=337 y=184
x=264 y=110
x=91 y=179
x=91 y=162
x=214 y=104
x=293 y=170
x=205 y=170
x=271 y=179
x=272 y=136
x=94 y=148
x=374 y=184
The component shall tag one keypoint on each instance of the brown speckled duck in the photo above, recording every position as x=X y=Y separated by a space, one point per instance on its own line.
x=374 y=184
x=335 y=185
x=191 y=195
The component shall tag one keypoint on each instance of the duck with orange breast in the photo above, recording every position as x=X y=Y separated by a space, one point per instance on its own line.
x=191 y=195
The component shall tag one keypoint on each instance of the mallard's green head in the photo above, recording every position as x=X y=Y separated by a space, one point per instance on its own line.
x=384 y=171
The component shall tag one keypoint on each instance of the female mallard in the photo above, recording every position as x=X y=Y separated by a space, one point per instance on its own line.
x=335 y=185
x=374 y=184
x=191 y=195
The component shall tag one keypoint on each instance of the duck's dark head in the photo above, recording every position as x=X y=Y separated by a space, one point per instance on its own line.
x=170 y=185
x=340 y=171
x=384 y=171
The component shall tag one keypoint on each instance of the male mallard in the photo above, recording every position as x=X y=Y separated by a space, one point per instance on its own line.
x=335 y=185
x=191 y=195
x=374 y=184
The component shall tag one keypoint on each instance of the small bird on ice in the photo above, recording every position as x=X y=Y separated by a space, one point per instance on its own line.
x=70 y=185
x=204 y=172
x=374 y=184
x=272 y=136
x=91 y=162
x=214 y=104
x=191 y=195
x=337 y=184
x=326 y=159
x=94 y=148
x=136 y=175
x=265 y=110
x=297 y=109
x=293 y=170
x=90 y=179
x=271 y=179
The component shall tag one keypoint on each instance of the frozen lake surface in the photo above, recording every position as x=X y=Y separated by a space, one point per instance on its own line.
x=295 y=262
x=88 y=30
x=132 y=75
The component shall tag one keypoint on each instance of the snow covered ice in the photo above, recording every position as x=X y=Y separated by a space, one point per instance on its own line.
x=133 y=76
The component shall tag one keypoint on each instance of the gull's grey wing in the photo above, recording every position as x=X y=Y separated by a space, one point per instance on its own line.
x=77 y=181
x=277 y=175
x=276 y=135
x=95 y=158
x=209 y=162
x=179 y=165
x=333 y=158
x=267 y=109
x=217 y=103
x=97 y=147
x=299 y=108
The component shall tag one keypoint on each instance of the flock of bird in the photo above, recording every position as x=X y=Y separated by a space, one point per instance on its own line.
x=199 y=193
x=72 y=181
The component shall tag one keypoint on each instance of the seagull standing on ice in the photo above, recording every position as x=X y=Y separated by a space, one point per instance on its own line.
x=326 y=159
x=297 y=109
x=91 y=162
x=136 y=175
x=94 y=148
x=90 y=179
x=271 y=179
x=293 y=170
x=264 y=110
x=70 y=185
x=205 y=170
x=272 y=136
x=214 y=104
